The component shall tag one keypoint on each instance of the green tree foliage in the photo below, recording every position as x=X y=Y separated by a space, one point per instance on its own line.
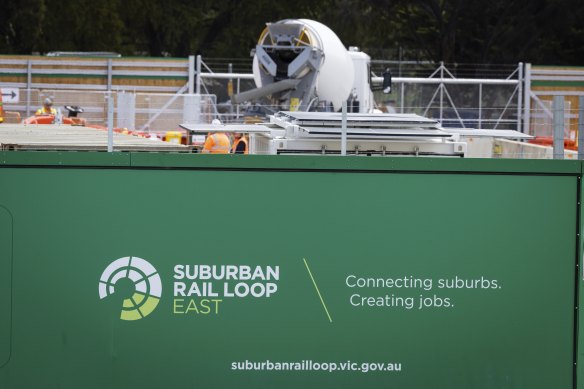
x=68 y=27
x=499 y=31
x=471 y=31
x=21 y=24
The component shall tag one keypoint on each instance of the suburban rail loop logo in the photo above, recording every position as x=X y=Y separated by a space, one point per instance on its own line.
x=147 y=286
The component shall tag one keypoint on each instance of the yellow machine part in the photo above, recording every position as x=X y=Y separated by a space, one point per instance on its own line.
x=173 y=136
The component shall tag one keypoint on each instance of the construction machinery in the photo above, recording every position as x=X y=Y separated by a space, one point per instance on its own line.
x=320 y=96
x=302 y=65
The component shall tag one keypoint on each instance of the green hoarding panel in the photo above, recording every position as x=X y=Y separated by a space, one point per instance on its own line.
x=580 y=281
x=5 y=283
x=301 y=277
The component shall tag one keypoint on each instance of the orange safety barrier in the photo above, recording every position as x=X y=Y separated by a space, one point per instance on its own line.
x=50 y=119
x=569 y=144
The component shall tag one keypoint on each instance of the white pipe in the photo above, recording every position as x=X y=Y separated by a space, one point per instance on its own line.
x=110 y=122
x=558 y=109
x=344 y=128
x=519 y=96
x=446 y=80
x=191 y=75
x=527 y=98
x=243 y=76
x=198 y=75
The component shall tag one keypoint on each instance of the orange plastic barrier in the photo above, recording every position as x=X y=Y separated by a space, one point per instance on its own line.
x=569 y=144
x=50 y=119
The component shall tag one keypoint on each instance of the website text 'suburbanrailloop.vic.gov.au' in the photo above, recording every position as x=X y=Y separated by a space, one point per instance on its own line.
x=309 y=365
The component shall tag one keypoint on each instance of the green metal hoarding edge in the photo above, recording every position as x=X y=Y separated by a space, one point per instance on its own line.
x=306 y=163
x=64 y=158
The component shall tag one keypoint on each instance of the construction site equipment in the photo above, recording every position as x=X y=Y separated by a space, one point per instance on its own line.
x=365 y=134
x=301 y=64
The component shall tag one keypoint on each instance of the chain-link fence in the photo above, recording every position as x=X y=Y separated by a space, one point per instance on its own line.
x=148 y=112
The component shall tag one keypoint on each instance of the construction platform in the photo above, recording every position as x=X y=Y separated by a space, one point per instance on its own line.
x=65 y=137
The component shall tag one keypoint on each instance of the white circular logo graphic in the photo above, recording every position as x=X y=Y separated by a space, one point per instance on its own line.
x=147 y=286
